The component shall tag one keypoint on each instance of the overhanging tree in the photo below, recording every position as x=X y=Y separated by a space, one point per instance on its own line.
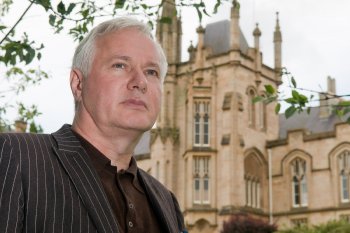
x=18 y=52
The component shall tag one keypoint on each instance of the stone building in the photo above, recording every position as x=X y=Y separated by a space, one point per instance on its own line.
x=212 y=146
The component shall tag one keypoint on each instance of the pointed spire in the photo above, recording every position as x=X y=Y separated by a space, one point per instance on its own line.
x=277 y=37
x=191 y=51
x=200 y=46
x=235 y=9
x=169 y=34
x=234 y=27
x=256 y=34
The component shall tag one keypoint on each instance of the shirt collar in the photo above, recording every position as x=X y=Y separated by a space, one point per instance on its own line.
x=101 y=162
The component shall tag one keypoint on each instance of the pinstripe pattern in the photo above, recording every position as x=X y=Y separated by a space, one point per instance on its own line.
x=48 y=184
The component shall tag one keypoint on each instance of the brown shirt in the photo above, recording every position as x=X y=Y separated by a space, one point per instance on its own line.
x=125 y=193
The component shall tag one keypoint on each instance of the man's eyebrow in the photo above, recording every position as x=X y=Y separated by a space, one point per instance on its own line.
x=154 y=64
x=122 y=57
x=127 y=58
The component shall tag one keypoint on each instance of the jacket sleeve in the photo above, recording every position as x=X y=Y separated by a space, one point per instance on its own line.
x=11 y=193
x=179 y=216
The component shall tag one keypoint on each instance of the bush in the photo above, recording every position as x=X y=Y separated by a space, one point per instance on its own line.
x=329 y=227
x=241 y=223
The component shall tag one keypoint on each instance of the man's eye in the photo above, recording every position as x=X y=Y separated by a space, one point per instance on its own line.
x=152 y=73
x=119 y=66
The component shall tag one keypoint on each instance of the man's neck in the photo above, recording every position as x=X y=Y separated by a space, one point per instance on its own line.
x=117 y=145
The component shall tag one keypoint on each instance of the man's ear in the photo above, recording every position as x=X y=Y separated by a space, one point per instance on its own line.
x=76 y=84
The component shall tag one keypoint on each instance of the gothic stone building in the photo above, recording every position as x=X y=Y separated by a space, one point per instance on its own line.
x=221 y=154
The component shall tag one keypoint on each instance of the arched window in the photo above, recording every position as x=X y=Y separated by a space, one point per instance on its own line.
x=201 y=126
x=299 y=182
x=344 y=172
x=201 y=180
x=253 y=175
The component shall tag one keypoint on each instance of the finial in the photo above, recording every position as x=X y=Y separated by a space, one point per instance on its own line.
x=277 y=20
x=235 y=4
x=257 y=31
x=200 y=29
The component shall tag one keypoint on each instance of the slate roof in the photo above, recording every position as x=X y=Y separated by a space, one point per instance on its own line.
x=312 y=123
x=143 y=145
x=217 y=36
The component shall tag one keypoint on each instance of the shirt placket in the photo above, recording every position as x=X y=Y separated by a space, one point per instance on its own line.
x=130 y=215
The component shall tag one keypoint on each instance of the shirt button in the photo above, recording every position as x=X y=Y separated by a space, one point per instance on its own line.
x=131 y=206
x=131 y=224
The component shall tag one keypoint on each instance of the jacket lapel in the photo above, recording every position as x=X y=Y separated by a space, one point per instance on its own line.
x=161 y=202
x=78 y=166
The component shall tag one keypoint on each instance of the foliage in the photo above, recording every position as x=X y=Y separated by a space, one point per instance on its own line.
x=74 y=18
x=297 y=102
x=241 y=223
x=28 y=114
x=329 y=227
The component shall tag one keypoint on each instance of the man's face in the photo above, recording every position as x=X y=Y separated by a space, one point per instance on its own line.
x=123 y=88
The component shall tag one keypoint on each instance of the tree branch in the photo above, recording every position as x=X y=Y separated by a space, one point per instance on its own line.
x=19 y=20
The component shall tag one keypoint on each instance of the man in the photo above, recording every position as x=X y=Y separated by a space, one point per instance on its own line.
x=83 y=177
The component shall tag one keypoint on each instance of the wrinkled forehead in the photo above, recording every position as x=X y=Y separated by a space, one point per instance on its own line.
x=130 y=40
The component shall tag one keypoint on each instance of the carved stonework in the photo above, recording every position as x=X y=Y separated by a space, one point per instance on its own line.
x=164 y=134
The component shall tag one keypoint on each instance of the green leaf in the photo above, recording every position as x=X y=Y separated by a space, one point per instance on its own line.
x=30 y=56
x=52 y=19
x=277 y=108
x=270 y=89
x=119 y=3
x=291 y=101
x=290 y=111
x=217 y=4
x=257 y=99
x=44 y=3
x=293 y=82
x=85 y=13
x=199 y=13
x=70 y=8
x=61 y=8
x=295 y=95
x=271 y=99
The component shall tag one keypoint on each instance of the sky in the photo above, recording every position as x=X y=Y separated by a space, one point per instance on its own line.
x=315 y=34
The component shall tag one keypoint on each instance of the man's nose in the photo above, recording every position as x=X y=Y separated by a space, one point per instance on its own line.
x=138 y=81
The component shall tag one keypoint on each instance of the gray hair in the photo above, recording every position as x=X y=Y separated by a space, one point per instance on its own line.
x=85 y=51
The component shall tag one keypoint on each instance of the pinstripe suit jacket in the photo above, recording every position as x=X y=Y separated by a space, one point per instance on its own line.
x=48 y=184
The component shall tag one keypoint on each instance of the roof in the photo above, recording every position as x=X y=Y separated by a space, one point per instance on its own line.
x=311 y=122
x=143 y=147
x=217 y=36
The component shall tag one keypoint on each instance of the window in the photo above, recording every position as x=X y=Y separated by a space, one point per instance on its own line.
x=201 y=180
x=297 y=222
x=344 y=168
x=345 y=217
x=252 y=192
x=201 y=123
x=299 y=183
x=227 y=101
x=253 y=176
